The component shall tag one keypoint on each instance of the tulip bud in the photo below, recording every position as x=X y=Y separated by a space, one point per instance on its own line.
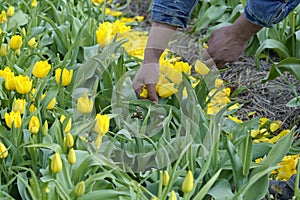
x=41 y=69
x=34 y=125
x=69 y=124
x=172 y=196
x=3 y=50
x=154 y=198
x=84 y=104
x=56 y=163
x=69 y=140
x=72 y=156
x=34 y=3
x=80 y=189
x=10 y=11
x=188 y=182
x=19 y=105
x=15 y=42
x=166 y=178
x=45 y=128
x=3 y=151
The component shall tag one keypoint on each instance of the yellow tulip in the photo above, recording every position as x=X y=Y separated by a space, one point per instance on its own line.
x=19 y=105
x=97 y=2
x=15 y=42
x=102 y=124
x=72 y=156
x=45 y=128
x=110 y=12
x=3 y=151
x=3 y=50
x=69 y=140
x=32 y=108
x=119 y=27
x=23 y=84
x=32 y=43
x=56 y=163
x=172 y=195
x=80 y=189
x=34 y=125
x=66 y=76
x=274 y=126
x=84 y=104
x=34 y=3
x=51 y=103
x=188 y=182
x=13 y=118
x=201 y=68
x=41 y=69
x=6 y=72
x=165 y=90
x=10 y=82
x=69 y=124
x=104 y=33
x=10 y=11
x=166 y=178
x=3 y=17
x=144 y=92
x=154 y=198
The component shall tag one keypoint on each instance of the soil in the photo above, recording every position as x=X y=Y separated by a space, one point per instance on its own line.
x=264 y=100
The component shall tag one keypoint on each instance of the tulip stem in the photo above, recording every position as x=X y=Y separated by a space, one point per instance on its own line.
x=160 y=185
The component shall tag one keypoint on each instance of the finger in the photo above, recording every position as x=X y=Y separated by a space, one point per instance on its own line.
x=152 y=95
x=205 y=55
x=138 y=92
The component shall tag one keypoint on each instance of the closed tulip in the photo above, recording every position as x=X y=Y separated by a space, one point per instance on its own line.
x=56 y=163
x=102 y=124
x=10 y=11
x=41 y=69
x=45 y=128
x=80 y=189
x=33 y=3
x=65 y=76
x=69 y=124
x=188 y=182
x=72 y=156
x=34 y=125
x=10 y=82
x=172 y=195
x=32 y=43
x=3 y=151
x=3 y=50
x=19 y=105
x=23 y=84
x=166 y=178
x=69 y=140
x=3 y=17
x=84 y=104
x=15 y=42
x=13 y=118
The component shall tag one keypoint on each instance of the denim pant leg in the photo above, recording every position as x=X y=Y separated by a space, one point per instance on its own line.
x=173 y=12
x=268 y=12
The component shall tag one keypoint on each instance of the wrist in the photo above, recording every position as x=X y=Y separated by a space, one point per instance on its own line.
x=244 y=29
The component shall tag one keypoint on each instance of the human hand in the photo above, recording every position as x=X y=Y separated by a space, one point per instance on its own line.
x=147 y=75
x=224 y=46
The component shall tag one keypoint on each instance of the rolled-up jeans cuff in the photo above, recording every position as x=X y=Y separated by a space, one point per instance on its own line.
x=173 y=12
x=267 y=13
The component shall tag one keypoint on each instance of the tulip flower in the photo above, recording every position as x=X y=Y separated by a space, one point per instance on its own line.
x=23 y=84
x=56 y=163
x=3 y=17
x=84 y=104
x=104 y=34
x=80 y=189
x=32 y=108
x=33 y=3
x=201 y=68
x=69 y=140
x=32 y=43
x=10 y=82
x=72 y=156
x=102 y=124
x=166 y=178
x=34 y=125
x=45 y=128
x=3 y=50
x=15 y=42
x=41 y=69
x=165 y=90
x=13 y=118
x=3 y=151
x=172 y=195
x=188 y=182
x=19 y=105
x=10 y=11
x=51 y=103
x=69 y=124
x=66 y=76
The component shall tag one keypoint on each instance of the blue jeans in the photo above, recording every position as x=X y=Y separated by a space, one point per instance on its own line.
x=261 y=12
